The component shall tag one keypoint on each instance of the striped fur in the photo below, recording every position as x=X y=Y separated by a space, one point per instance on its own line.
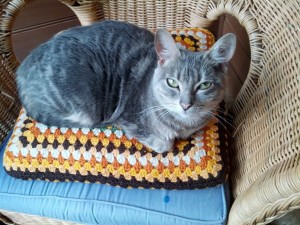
x=115 y=73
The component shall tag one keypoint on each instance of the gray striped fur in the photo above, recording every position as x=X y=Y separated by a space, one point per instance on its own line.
x=114 y=73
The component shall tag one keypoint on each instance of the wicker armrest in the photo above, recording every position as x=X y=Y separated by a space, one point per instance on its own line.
x=265 y=161
x=6 y=220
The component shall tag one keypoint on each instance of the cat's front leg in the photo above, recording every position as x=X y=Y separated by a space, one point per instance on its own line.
x=157 y=144
x=185 y=134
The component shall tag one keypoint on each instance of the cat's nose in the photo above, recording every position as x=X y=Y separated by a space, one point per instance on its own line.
x=185 y=106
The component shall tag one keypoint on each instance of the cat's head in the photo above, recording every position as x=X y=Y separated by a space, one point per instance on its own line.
x=190 y=84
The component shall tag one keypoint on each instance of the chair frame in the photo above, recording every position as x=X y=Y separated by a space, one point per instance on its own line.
x=265 y=160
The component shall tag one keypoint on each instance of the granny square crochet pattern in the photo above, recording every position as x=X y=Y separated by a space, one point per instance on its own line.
x=105 y=155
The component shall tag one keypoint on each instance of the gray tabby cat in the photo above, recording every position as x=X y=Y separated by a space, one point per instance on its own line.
x=114 y=73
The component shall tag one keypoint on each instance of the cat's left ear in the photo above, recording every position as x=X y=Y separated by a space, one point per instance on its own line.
x=223 y=50
x=165 y=47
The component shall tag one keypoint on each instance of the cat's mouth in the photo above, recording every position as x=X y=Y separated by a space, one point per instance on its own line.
x=185 y=115
x=179 y=112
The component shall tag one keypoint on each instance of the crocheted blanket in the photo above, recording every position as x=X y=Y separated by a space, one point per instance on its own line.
x=105 y=155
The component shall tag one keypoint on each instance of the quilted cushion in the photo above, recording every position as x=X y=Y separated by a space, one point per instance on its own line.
x=93 y=204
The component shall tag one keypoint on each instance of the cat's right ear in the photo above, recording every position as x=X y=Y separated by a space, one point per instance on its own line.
x=165 y=47
x=223 y=50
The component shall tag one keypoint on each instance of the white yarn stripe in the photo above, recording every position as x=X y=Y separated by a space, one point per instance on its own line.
x=53 y=129
x=132 y=160
x=76 y=154
x=121 y=159
x=110 y=157
x=107 y=132
x=55 y=153
x=44 y=153
x=186 y=159
x=98 y=156
x=65 y=154
x=143 y=160
x=87 y=156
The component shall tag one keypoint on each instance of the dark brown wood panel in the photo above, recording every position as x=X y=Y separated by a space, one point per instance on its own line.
x=214 y=28
x=234 y=83
x=38 y=22
x=221 y=26
x=242 y=35
x=239 y=65
x=24 y=42
x=240 y=60
x=40 y=12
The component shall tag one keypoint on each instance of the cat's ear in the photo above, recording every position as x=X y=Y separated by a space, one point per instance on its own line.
x=165 y=47
x=223 y=50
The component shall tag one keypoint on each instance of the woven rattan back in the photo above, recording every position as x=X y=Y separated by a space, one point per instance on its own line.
x=266 y=159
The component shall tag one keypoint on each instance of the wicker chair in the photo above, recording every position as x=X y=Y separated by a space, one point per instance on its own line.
x=265 y=167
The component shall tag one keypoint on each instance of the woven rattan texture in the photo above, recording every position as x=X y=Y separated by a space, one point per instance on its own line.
x=9 y=103
x=26 y=219
x=268 y=134
x=266 y=157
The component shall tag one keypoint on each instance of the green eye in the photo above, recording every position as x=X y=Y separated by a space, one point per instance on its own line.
x=172 y=83
x=204 y=85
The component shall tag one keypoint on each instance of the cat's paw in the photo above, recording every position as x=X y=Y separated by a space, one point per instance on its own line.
x=163 y=148
x=185 y=134
x=152 y=141
x=158 y=145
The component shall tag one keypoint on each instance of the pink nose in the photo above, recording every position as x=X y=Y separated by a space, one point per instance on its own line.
x=185 y=106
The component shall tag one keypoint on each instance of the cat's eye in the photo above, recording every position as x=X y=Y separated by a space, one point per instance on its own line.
x=204 y=85
x=172 y=83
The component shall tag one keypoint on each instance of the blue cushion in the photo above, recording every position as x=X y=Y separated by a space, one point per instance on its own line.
x=103 y=204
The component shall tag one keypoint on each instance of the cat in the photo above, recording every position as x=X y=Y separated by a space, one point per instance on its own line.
x=115 y=73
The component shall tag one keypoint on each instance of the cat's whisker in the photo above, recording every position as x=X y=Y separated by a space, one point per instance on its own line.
x=231 y=116
x=220 y=119
x=225 y=120
x=146 y=114
x=150 y=108
x=149 y=111
x=156 y=107
x=214 y=116
x=166 y=115
x=160 y=116
x=153 y=109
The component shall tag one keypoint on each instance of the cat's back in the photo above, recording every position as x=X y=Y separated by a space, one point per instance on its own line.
x=83 y=68
x=110 y=32
x=106 y=36
x=104 y=48
x=105 y=39
x=111 y=28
